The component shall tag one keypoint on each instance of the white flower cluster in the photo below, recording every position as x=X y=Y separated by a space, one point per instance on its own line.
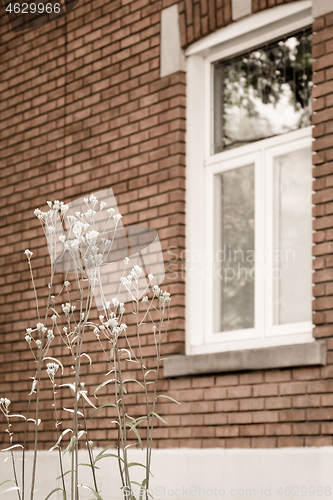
x=91 y=238
x=28 y=254
x=51 y=369
x=163 y=297
x=67 y=309
x=49 y=219
x=58 y=205
x=93 y=261
x=112 y=323
x=41 y=328
x=5 y=402
x=92 y=199
x=50 y=335
x=134 y=275
x=81 y=226
x=28 y=336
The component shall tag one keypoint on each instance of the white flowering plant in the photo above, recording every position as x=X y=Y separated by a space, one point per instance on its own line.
x=87 y=251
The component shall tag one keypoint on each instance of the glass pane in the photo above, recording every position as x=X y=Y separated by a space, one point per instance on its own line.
x=292 y=255
x=263 y=93
x=234 y=249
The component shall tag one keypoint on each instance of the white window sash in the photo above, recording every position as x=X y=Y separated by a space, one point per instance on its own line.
x=272 y=152
x=250 y=32
x=211 y=301
x=261 y=154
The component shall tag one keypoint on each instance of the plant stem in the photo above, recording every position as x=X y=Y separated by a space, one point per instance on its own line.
x=127 y=476
x=12 y=455
x=24 y=446
x=39 y=368
x=59 y=448
x=88 y=445
x=15 y=475
x=146 y=395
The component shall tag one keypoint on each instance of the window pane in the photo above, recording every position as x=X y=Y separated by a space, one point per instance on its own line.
x=292 y=256
x=234 y=255
x=263 y=93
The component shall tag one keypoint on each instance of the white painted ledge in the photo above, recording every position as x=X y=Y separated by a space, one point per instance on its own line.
x=321 y=7
x=287 y=356
x=172 y=55
x=219 y=473
x=241 y=8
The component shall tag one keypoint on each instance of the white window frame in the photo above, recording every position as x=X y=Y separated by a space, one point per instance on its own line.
x=202 y=164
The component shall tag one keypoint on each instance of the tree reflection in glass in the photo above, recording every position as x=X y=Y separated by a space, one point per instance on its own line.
x=264 y=93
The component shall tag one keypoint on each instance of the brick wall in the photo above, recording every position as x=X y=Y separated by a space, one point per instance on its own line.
x=198 y=18
x=258 y=5
x=92 y=113
x=323 y=170
x=83 y=108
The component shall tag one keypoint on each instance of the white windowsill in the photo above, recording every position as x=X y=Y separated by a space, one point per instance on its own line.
x=289 y=356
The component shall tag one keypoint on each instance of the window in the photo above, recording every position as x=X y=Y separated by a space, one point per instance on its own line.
x=254 y=265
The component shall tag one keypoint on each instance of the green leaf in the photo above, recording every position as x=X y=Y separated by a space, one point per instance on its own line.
x=89 y=465
x=84 y=395
x=72 y=386
x=103 y=406
x=103 y=384
x=55 y=312
x=168 y=397
x=133 y=380
x=105 y=449
x=97 y=495
x=134 y=429
x=139 y=420
x=136 y=463
x=10 y=489
x=142 y=488
x=87 y=356
x=107 y=455
x=60 y=438
x=11 y=447
x=7 y=481
x=73 y=411
x=68 y=472
x=157 y=416
x=64 y=474
x=53 y=491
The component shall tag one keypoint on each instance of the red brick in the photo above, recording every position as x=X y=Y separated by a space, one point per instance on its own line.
x=278 y=429
x=306 y=428
x=239 y=392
